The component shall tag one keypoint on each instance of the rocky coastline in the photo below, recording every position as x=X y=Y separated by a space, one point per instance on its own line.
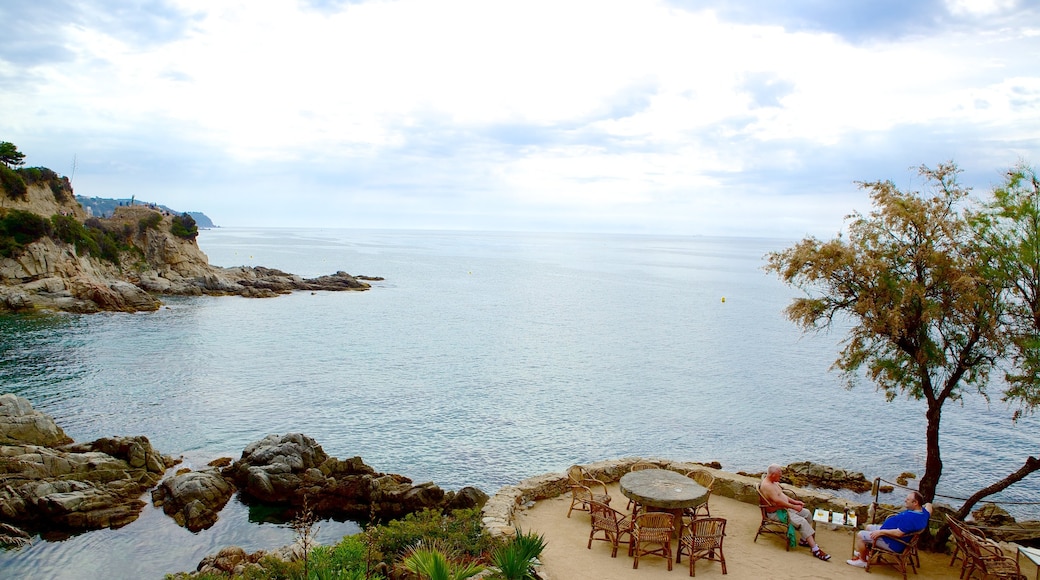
x=49 y=274
x=51 y=485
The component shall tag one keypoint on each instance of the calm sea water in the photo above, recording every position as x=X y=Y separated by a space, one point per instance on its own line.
x=482 y=359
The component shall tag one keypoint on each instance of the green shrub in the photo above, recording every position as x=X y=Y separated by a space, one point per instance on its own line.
x=19 y=228
x=150 y=222
x=460 y=532
x=12 y=183
x=38 y=175
x=90 y=237
x=184 y=226
x=515 y=559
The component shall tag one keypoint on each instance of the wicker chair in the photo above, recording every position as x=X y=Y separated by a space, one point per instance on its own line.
x=652 y=535
x=958 y=530
x=702 y=540
x=614 y=525
x=706 y=480
x=585 y=489
x=767 y=525
x=898 y=559
x=639 y=466
x=987 y=558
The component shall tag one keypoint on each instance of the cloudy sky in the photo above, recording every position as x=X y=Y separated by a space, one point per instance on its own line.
x=743 y=117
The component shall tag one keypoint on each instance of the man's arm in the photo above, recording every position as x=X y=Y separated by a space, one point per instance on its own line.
x=777 y=497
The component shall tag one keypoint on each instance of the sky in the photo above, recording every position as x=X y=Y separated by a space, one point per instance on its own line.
x=686 y=117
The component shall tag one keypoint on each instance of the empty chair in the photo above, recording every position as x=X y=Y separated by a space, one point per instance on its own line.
x=585 y=489
x=705 y=480
x=702 y=540
x=652 y=535
x=988 y=559
x=613 y=524
x=639 y=466
x=958 y=530
x=770 y=526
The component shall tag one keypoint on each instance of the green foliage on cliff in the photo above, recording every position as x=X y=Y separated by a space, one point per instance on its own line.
x=59 y=187
x=150 y=222
x=183 y=226
x=19 y=228
x=12 y=184
x=90 y=238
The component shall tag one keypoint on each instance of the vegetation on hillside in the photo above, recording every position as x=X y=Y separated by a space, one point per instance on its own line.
x=183 y=226
x=20 y=228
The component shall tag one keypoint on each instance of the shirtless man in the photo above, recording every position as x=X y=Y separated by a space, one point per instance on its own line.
x=797 y=515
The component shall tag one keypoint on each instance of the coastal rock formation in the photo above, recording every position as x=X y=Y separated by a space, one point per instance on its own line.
x=193 y=498
x=51 y=274
x=807 y=473
x=293 y=469
x=20 y=424
x=48 y=483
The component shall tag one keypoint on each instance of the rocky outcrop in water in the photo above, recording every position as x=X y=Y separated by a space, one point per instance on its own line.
x=194 y=498
x=51 y=274
x=293 y=469
x=49 y=483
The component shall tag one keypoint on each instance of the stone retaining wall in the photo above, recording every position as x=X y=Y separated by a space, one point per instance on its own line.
x=499 y=511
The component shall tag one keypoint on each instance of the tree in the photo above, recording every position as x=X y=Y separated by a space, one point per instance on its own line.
x=1007 y=230
x=10 y=155
x=183 y=226
x=926 y=319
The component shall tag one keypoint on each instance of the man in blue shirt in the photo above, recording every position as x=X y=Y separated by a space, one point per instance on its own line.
x=909 y=521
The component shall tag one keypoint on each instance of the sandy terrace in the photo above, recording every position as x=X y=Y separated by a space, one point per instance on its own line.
x=567 y=558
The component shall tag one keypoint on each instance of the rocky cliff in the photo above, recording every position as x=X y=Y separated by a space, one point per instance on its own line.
x=150 y=261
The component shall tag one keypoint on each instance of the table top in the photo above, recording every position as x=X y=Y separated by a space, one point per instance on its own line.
x=662 y=488
x=1032 y=553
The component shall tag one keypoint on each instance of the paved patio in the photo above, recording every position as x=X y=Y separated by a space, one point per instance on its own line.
x=567 y=558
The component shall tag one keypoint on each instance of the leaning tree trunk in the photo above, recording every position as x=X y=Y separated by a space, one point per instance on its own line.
x=1032 y=464
x=933 y=460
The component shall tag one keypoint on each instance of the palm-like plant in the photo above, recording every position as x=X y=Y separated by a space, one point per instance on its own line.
x=433 y=563
x=515 y=560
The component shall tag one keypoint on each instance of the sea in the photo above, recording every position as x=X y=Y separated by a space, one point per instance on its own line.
x=480 y=359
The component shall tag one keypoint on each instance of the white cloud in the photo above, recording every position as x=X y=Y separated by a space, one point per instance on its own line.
x=621 y=108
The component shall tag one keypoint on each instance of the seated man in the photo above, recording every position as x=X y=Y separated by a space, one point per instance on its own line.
x=797 y=515
x=909 y=521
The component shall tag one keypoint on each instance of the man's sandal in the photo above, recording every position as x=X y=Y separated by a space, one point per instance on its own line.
x=822 y=555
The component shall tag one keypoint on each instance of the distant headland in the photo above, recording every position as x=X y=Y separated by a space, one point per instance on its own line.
x=60 y=253
x=104 y=207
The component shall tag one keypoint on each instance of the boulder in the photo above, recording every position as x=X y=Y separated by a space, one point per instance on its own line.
x=193 y=498
x=807 y=473
x=992 y=515
x=21 y=424
x=294 y=470
x=466 y=498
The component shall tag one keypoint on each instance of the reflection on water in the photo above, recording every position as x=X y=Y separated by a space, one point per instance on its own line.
x=482 y=359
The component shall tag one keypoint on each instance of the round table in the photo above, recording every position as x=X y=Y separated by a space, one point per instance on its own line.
x=664 y=490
